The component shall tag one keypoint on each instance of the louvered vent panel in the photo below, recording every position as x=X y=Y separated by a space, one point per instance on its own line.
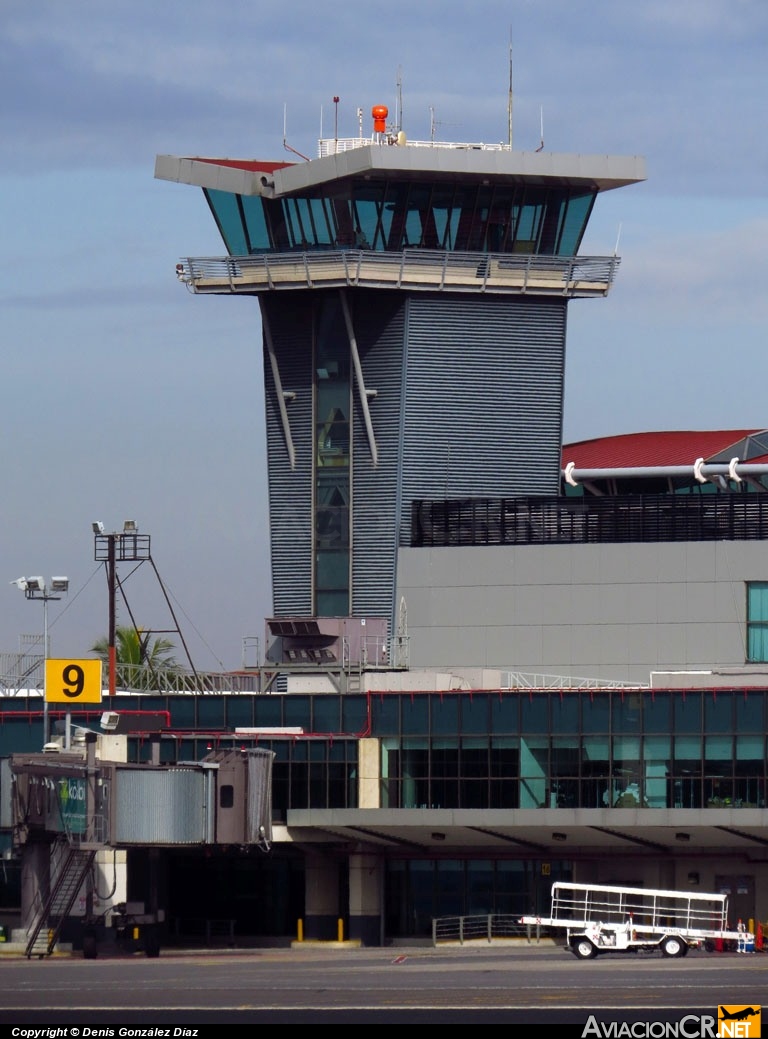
x=379 y=326
x=290 y=490
x=484 y=398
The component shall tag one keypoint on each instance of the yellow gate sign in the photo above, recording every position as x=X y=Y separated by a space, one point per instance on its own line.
x=73 y=681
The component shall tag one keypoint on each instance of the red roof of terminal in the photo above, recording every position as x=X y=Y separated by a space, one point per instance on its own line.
x=642 y=450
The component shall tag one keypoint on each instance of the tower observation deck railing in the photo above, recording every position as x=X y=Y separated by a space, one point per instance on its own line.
x=429 y=270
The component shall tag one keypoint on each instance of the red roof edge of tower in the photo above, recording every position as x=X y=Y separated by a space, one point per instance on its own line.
x=252 y=165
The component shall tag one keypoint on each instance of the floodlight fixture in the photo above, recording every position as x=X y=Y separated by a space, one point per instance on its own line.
x=109 y=721
x=97 y=527
x=130 y=527
x=35 y=588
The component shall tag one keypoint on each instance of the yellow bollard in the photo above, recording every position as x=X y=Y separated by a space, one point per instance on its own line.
x=300 y=930
x=340 y=930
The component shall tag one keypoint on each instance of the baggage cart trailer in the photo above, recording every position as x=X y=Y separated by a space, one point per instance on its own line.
x=600 y=918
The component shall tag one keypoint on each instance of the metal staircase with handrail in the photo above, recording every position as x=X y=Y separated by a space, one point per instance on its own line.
x=64 y=889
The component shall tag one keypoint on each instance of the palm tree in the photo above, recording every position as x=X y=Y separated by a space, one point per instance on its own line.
x=142 y=662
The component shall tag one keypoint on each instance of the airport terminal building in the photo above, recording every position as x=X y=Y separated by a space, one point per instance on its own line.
x=493 y=661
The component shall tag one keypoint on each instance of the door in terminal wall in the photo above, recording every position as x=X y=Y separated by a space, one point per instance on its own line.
x=740 y=890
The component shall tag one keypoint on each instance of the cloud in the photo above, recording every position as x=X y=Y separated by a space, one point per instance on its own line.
x=107 y=85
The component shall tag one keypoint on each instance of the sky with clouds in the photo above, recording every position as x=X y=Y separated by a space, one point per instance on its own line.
x=126 y=397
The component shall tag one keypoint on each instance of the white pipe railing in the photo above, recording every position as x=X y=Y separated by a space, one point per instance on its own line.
x=336 y=145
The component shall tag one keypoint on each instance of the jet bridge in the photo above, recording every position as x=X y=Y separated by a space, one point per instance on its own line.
x=70 y=807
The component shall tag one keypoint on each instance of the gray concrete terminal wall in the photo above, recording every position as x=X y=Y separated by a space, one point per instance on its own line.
x=613 y=612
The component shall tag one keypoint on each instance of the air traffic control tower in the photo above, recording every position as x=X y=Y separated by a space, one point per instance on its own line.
x=413 y=302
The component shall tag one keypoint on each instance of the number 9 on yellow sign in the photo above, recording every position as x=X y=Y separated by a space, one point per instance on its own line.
x=73 y=681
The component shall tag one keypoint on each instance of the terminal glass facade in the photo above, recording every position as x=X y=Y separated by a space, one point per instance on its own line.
x=418 y=891
x=506 y=748
x=510 y=749
x=576 y=749
x=491 y=749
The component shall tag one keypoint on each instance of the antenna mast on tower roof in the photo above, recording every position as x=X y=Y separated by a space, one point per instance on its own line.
x=399 y=113
x=509 y=102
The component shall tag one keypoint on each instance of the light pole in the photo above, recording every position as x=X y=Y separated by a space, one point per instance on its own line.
x=36 y=588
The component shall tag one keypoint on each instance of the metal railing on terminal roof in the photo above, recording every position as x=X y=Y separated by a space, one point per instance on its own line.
x=590 y=520
x=22 y=670
x=138 y=678
x=433 y=270
x=22 y=674
x=524 y=680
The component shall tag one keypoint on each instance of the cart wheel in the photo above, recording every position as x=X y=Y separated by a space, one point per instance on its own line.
x=673 y=946
x=151 y=944
x=583 y=948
